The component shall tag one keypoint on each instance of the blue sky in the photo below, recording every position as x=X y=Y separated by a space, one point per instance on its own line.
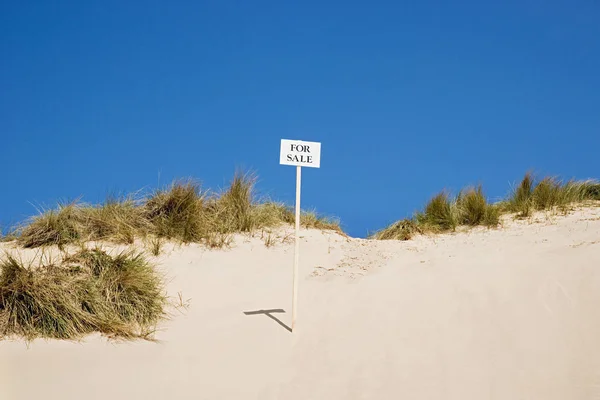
x=407 y=98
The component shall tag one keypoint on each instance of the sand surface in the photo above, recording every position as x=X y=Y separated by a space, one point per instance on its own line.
x=488 y=314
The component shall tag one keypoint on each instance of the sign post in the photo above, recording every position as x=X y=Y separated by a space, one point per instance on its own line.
x=300 y=154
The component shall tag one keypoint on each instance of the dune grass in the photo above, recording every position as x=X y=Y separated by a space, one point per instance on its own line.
x=444 y=213
x=440 y=214
x=7 y=237
x=470 y=207
x=177 y=212
x=549 y=193
x=183 y=211
x=404 y=229
x=117 y=218
x=58 y=227
x=89 y=291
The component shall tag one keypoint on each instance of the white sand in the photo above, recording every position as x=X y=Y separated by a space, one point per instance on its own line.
x=503 y=314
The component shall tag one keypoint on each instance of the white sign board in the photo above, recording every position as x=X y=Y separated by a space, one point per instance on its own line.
x=300 y=153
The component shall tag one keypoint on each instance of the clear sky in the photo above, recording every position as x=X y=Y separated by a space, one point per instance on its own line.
x=407 y=98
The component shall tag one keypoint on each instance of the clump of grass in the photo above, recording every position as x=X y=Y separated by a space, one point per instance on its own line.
x=310 y=219
x=521 y=200
x=401 y=230
x=443 y=213
x=156 y=246
x=491 y=218
x=128 y=283
x=474 y=209
x=54 y=227
x=269 y=240
x=272 y=214
x=178 y=213
x=233 y=209
x=472 y=205
x=591 y=190
x=48 y=301
x=89 y=291
x=549 y=193
x=118 y=220
x=218 y=240
x=440 y=214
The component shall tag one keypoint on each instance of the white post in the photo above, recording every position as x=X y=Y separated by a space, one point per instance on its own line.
x=297 y=247
x=298 y=153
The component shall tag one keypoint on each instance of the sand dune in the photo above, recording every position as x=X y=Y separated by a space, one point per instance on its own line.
x=485 y=314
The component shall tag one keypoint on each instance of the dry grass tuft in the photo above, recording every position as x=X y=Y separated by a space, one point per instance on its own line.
x=54 y=227
x=118 y=220
x=87 y=292
x=401 y=230
x=591 y=190
x=156 y=246
x=310 y=219
x=178 y=212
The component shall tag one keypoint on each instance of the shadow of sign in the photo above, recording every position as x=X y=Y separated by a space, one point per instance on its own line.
x=269 y=313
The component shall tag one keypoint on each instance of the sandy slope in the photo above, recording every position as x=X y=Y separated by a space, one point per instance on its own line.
x=506 y=314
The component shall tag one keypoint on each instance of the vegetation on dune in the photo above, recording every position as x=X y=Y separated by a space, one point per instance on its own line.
x=118 y=218
x=185 y=212
x=440 y=214
x=57 y=227
x=470 y=207
x=549 y=193
x=404 y=229
x=444 y=213
x=90 y=291
x=177 y=212
x=592 y=190
x=182 y=211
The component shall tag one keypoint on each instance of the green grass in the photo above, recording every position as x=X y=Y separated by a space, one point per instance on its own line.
x=444 y=213
x=183 y=211
x=470 y=207
x=549 y=193
x=233 y=208
x=440 y=214
x=90 y=291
